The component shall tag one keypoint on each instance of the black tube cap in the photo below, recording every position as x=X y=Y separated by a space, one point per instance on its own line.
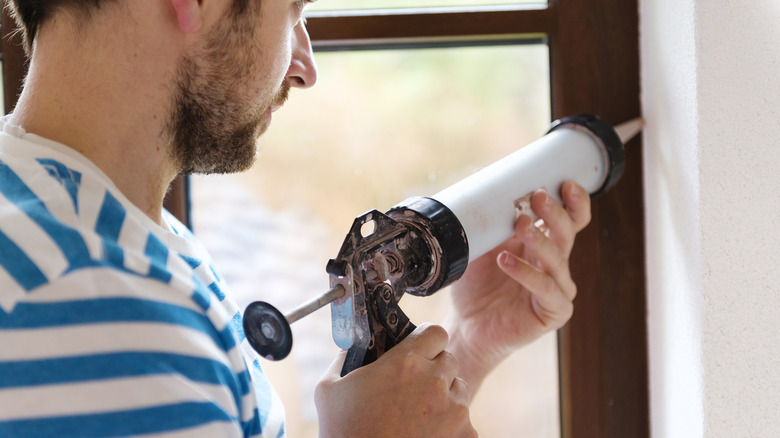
x=444 y=227
x=616 y=153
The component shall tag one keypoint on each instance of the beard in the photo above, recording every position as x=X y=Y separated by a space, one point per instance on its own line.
x=212 y=126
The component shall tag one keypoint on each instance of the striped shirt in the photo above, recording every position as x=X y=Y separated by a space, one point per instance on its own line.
x=111 y=325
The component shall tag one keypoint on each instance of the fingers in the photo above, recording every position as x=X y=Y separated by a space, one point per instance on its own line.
x=460 y=423
x=428 y=340
x=426 y=366
x=544 y=271
x=423 y=350
x=460 y=391
x=577 y=201
x=563 y=223
x=417 y=378
x=550 y=255
x=552 y=303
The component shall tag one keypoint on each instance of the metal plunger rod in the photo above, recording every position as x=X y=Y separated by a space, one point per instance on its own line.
x=625 y=131
x=268 y=330
x=309 y=307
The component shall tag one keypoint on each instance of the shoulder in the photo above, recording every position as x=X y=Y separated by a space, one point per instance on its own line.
x=111 y=355
x=103 y=327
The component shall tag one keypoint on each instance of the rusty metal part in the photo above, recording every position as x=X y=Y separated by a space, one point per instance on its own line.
x=414 y=248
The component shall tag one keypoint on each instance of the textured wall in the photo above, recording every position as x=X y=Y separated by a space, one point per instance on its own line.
x=710 y=73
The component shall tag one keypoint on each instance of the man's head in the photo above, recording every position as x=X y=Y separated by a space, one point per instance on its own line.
x=231 y=72
x=214 y=121
x=228 y=86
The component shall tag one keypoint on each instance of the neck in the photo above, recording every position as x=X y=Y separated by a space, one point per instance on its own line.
x=109 y=102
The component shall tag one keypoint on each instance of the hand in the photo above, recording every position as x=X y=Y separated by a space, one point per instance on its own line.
x=521 y=290
x=410 y=391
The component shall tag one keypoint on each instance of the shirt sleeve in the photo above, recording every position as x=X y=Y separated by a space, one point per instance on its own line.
x=104 y=353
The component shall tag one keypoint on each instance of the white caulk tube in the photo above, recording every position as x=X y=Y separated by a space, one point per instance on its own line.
x=488 y=202
x=478 y=213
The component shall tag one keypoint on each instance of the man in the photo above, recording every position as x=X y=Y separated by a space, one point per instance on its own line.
x=112 y=320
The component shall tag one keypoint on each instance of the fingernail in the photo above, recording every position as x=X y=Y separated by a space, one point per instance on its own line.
x=543 y=192
x=574 y=190
x=548 y=199
x=507 y=259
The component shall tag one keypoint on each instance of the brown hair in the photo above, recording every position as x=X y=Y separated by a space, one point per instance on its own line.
x=30 y=15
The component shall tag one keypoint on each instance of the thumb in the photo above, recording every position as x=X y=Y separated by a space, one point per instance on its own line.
x=333 y=372
x=328 y=382
x=428 y=340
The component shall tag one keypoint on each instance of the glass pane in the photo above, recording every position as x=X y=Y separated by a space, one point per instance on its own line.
x=380 y=126
x=336 y=5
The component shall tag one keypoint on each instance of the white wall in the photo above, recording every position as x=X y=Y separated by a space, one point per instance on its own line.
x=711 y=97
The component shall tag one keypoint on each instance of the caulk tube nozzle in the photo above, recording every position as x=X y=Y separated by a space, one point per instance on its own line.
x=582 y=148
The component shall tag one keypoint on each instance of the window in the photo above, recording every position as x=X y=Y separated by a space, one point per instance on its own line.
x=594 y=58
x=381 y=125
x=593 y=50
x=335 y=5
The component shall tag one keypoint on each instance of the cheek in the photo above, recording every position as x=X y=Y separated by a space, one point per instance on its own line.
x=274 y=43
x=282 y=64
x=281 y=58
x=273 y=62
x=269 y=77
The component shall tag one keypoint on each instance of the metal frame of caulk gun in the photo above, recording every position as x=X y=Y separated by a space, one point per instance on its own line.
x=425 y=243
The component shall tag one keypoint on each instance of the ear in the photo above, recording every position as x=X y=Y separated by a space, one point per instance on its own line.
x=188 y=14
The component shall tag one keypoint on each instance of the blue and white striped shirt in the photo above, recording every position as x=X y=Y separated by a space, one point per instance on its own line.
x=109 y=324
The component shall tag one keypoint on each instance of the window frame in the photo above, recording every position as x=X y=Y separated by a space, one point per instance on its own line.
x=594 y=55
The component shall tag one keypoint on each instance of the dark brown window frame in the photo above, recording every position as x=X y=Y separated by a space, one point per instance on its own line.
x=594 y=52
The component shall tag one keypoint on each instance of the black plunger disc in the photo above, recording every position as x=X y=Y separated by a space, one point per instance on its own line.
x=267 y=330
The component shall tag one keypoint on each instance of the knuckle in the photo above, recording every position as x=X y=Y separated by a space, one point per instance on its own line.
x=447 y=367
x=450 y=361
x=410 y=365
x=461 y=414
x=587 y=217
x=462 y=388
x=571 y=291
x=434 y=330
x=441 y=388
x=566 y=313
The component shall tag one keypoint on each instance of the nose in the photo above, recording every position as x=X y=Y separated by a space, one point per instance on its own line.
x=303 y=70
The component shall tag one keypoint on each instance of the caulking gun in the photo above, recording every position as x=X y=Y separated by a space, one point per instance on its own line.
x=425 y=243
